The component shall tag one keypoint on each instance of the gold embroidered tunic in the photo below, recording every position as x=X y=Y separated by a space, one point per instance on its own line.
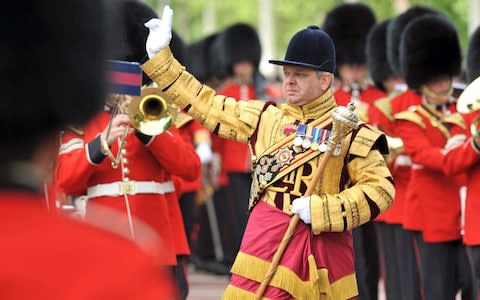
x=355 y=188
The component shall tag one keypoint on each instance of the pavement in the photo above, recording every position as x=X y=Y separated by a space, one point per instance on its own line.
x=206 y=286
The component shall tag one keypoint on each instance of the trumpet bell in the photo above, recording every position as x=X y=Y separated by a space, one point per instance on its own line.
x=150 y=113
x=469 y=99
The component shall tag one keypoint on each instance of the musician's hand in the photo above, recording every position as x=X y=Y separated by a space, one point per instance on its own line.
x=301 y=207
x=455 y=141
x=204 y=151
x=117 y=129
x=160 y=32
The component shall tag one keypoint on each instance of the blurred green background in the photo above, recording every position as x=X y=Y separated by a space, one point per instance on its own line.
x=194 y=19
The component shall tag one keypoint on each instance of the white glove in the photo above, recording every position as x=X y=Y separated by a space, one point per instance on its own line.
x=204 y=151
x=301 y=207
x=160 y=32
x=455 y=141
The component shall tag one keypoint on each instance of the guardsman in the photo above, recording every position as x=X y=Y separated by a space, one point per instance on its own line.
x=118 y=166
x=348 y=24
x=210 y=239
x=356 y=186
x=46 y=255
x=430 y=57
x=460 y=147
x=385 y=80
x=240 y=51
x=382 y=112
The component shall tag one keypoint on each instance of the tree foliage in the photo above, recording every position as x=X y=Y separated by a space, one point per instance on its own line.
x=290 y=16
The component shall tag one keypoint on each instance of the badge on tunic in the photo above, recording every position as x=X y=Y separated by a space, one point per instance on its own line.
x=315 y=138
x=323 y=147
x=306 y=143
x=284 y=156
x=288 y=129
x=301 y=130
x=320 y=139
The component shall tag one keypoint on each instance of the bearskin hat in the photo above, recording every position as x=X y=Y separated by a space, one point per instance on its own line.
x=348 y=25
x=198 y=59
x=178 y=47
x=135 y=14
x=473 y=56
x=376 y=52
x=395 y=30
x=429 y=49
x=238 y=42
x=54 y=77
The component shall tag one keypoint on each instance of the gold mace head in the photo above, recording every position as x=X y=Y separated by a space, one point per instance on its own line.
x=344 y=120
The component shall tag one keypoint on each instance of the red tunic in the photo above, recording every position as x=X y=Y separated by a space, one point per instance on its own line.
x=188 y=132
x=47 y=256
x=401 y=166
x=175 y=215
x=79 y=168
x=433 y=203
x=463 y=159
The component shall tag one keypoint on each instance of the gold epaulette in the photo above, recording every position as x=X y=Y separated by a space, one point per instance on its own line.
x=410 y=115
x=365 y=139
x=181 y=119
x=79 y=131
x=385 y=107
x=455 y=119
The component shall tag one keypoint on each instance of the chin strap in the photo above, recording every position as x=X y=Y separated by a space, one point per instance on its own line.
x=429 y=94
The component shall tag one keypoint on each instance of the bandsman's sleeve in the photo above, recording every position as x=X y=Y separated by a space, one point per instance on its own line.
x=76 y=161
x=370 y=192
x=236 y=120
x=174 y=154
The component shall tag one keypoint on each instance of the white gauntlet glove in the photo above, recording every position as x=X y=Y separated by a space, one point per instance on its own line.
x=160 y=32
x=301 y=207
x=455 y=141
x=204 y=151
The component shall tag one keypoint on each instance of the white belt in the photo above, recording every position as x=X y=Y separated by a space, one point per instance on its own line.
x=403 y=160
x=417 y=166
x=120 y=188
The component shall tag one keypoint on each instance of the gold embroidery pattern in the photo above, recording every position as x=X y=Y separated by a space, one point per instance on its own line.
x=326 y=213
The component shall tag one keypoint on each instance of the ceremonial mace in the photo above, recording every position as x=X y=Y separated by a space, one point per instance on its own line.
x=344 y=121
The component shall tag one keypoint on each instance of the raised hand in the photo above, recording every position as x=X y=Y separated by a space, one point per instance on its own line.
x=160 y=32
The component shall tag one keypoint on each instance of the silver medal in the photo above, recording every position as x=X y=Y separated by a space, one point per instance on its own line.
x=306 y=143
x=322 y=147
x=298 y=141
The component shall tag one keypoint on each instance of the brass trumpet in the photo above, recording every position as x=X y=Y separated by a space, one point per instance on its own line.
x=149 y=113
x=469 y=101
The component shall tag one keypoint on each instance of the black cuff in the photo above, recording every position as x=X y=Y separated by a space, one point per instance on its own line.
x=95 y=153
x=144 y=138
